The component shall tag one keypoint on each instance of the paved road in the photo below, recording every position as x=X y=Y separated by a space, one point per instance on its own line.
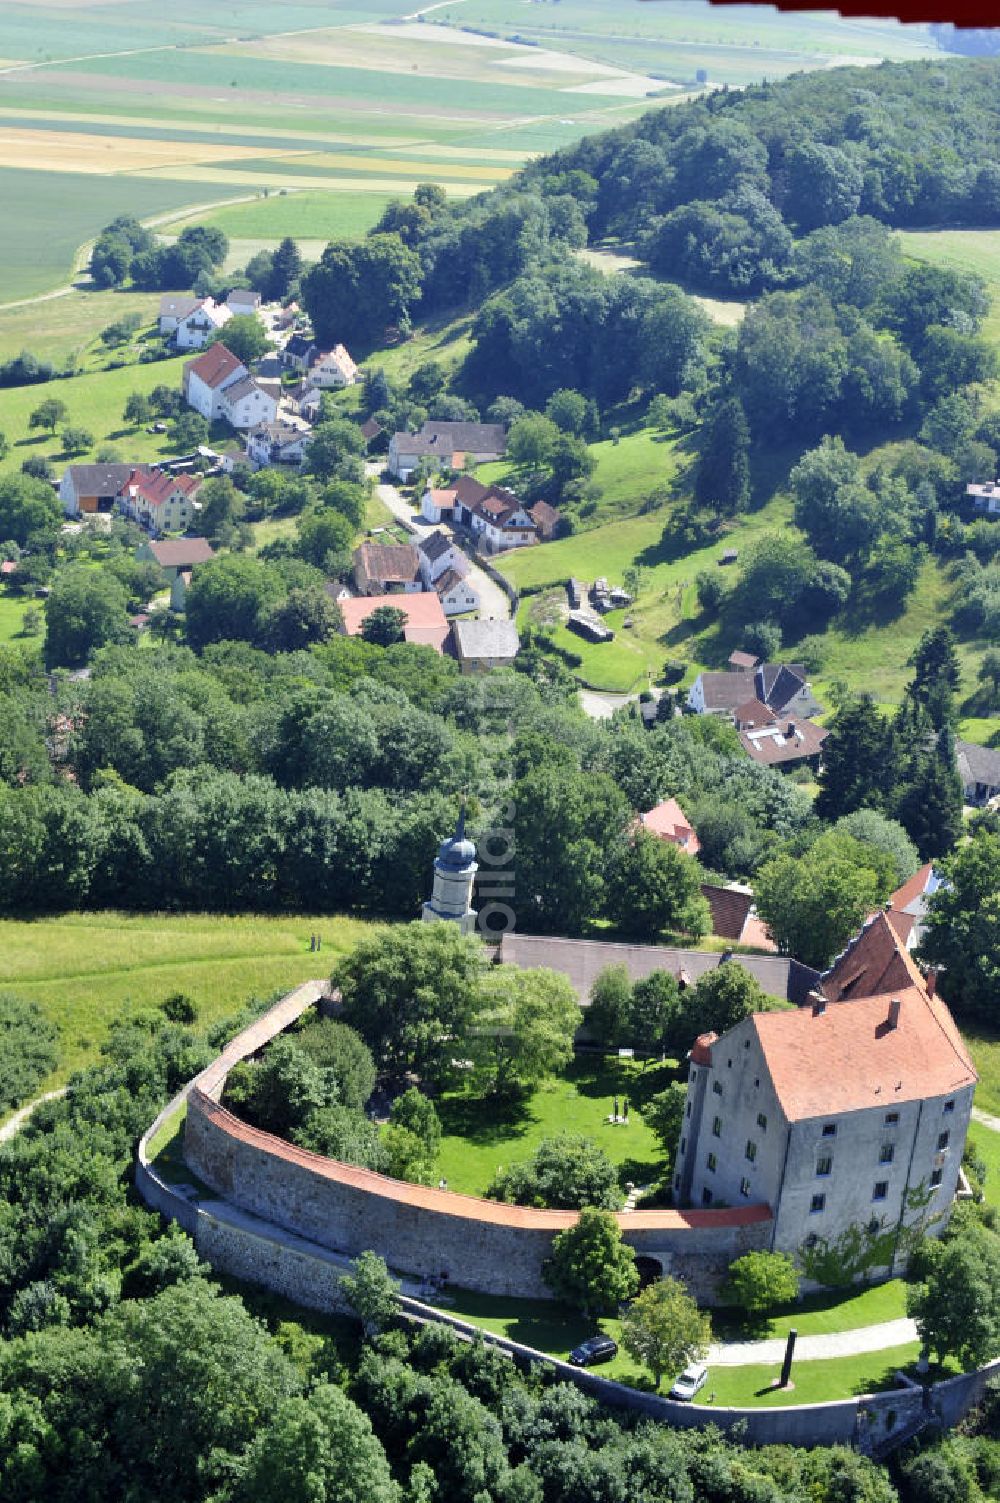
x=835 y=1344
x=495 y=605
x=985 y=1120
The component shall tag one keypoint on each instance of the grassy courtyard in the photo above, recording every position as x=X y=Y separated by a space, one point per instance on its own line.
x=483 y=1134
x=87 y=970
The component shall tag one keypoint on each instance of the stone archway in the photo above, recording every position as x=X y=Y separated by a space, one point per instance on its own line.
x=648 y=1269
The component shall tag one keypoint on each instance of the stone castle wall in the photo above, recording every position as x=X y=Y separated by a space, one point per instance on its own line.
x=491 y=1248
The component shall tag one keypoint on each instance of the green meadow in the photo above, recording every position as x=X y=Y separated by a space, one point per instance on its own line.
x=87 y=970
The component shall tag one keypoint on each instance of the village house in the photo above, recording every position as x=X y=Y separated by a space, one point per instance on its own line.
x=906 y=908
x=175 y=555
x=86 y=489
x=248 y=403
x=160 y=501
x=846 y=1116
x=438 y=553
x=447 y=444
x=733 y=915
x=387 y=569
x=781 y=687
x=371 y=429
x=425 y=626
x=437 y=504
x=457 y=596
x=493 y=515
x=667 y=821
x=985 y=497
x=244 y=302
x=483 y=645
x=277 y=443
x=784 y=743
x=192 y=321
x=206 y=379
x=979 y=770
x=333 y=369
x=298 y=353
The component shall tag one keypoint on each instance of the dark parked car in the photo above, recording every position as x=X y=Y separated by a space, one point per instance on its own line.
x=594 y=1349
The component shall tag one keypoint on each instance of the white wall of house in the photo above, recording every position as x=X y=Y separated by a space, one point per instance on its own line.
x=255 y=407
x=696 y=696
x=210 y=400
x=194 y=332
x=431 y=569
x=459 y=599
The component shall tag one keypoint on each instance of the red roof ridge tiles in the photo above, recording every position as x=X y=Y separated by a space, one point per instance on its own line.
x=451 y=1202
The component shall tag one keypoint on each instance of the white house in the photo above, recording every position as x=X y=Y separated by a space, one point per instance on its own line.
x=780 y=688
x=446 y=443
x=456 y=594
x=197 y=327
x=985 y=497
x=333 y=369
x=494 y=516
x=437 y=504
x=437 y=554
x=247 y=404
x=277 y=443
x=298 y=352
x=89 y=488
x=173 y=308
x=244 y=301
x=206 y=379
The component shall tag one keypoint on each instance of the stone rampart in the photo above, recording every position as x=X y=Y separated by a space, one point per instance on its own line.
x=480 y=1244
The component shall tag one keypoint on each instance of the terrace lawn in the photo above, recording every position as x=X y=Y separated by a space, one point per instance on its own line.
x=87 y=970
x=816 y=1382
x=95 y=402
x=481 y=1134
x=986 y=1143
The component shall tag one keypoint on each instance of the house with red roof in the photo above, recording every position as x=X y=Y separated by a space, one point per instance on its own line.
x=426 y=623
x=205 y=380
x=160 y=501
x=847 y=1115
x=669 y=822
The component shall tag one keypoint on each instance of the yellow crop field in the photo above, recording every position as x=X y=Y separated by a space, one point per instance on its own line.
x=72 y=151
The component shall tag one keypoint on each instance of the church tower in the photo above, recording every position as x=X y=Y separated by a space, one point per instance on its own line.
x=454 y=873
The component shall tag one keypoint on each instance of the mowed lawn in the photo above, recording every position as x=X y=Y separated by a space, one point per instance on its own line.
x=95 y=401
x=556 y=1329
x=304 y=216
x=483 y=1134
x=87 y=970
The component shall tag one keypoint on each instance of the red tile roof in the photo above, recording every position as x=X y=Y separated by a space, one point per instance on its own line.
x=157 y=486
x=395 y=563
x=873 y=964
x=426 y=623
x=216 y=365
x=742 y=660
x=910 y=891
x=733 y=916
x=669 y=822
x=849 y=1057
x=753 y=713
x=783 y=741
x=701 y=1050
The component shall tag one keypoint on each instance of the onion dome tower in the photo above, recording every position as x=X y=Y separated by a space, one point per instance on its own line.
x=455 y=870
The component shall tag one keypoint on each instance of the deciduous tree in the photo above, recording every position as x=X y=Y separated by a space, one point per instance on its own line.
x=591 y=1268
x=664 y=1329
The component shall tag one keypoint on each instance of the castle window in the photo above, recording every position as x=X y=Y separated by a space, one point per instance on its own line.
x=937 y=1177
x=811 y=1240
x=712 y=1162
x=751 y=1150
x=677 y=1181
x=881 y=1189
x=943 y=1141
x=729 y=1064
x=687 y=1110
x=817 y=1204
x=746 y=1043
x=706 y=1196
x=886 y=1153
x=762 y=1121
x=684 y=1144
x=949 y=1106
x=891 y=1119
x=716 y=1127
x=756 y=1084
x=829 y=1129
x=717 y=1087
x=745 y=1187
x=824 y=1166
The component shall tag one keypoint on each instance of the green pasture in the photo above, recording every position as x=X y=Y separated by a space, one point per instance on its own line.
x=966 y=250
x=95 y=401
x=12 y=609
x=483 y=1133
x=88 y=969
x=67 y=328
x=310 y=215
x=49 y=215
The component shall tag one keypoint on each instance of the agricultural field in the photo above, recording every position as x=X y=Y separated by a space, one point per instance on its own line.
x=338 y=104
x=66 y=329
x=87 y=970
x=965 y=250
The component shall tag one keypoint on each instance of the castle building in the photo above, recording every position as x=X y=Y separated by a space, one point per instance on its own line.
x=455 y=870
x=847 y=1116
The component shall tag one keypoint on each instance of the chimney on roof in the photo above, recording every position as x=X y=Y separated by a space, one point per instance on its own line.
x=818 y=1002
x=930 y=984
x=791 y=728
x=893 y=1019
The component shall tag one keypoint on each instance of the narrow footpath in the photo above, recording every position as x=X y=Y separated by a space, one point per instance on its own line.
x=834 y=1344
